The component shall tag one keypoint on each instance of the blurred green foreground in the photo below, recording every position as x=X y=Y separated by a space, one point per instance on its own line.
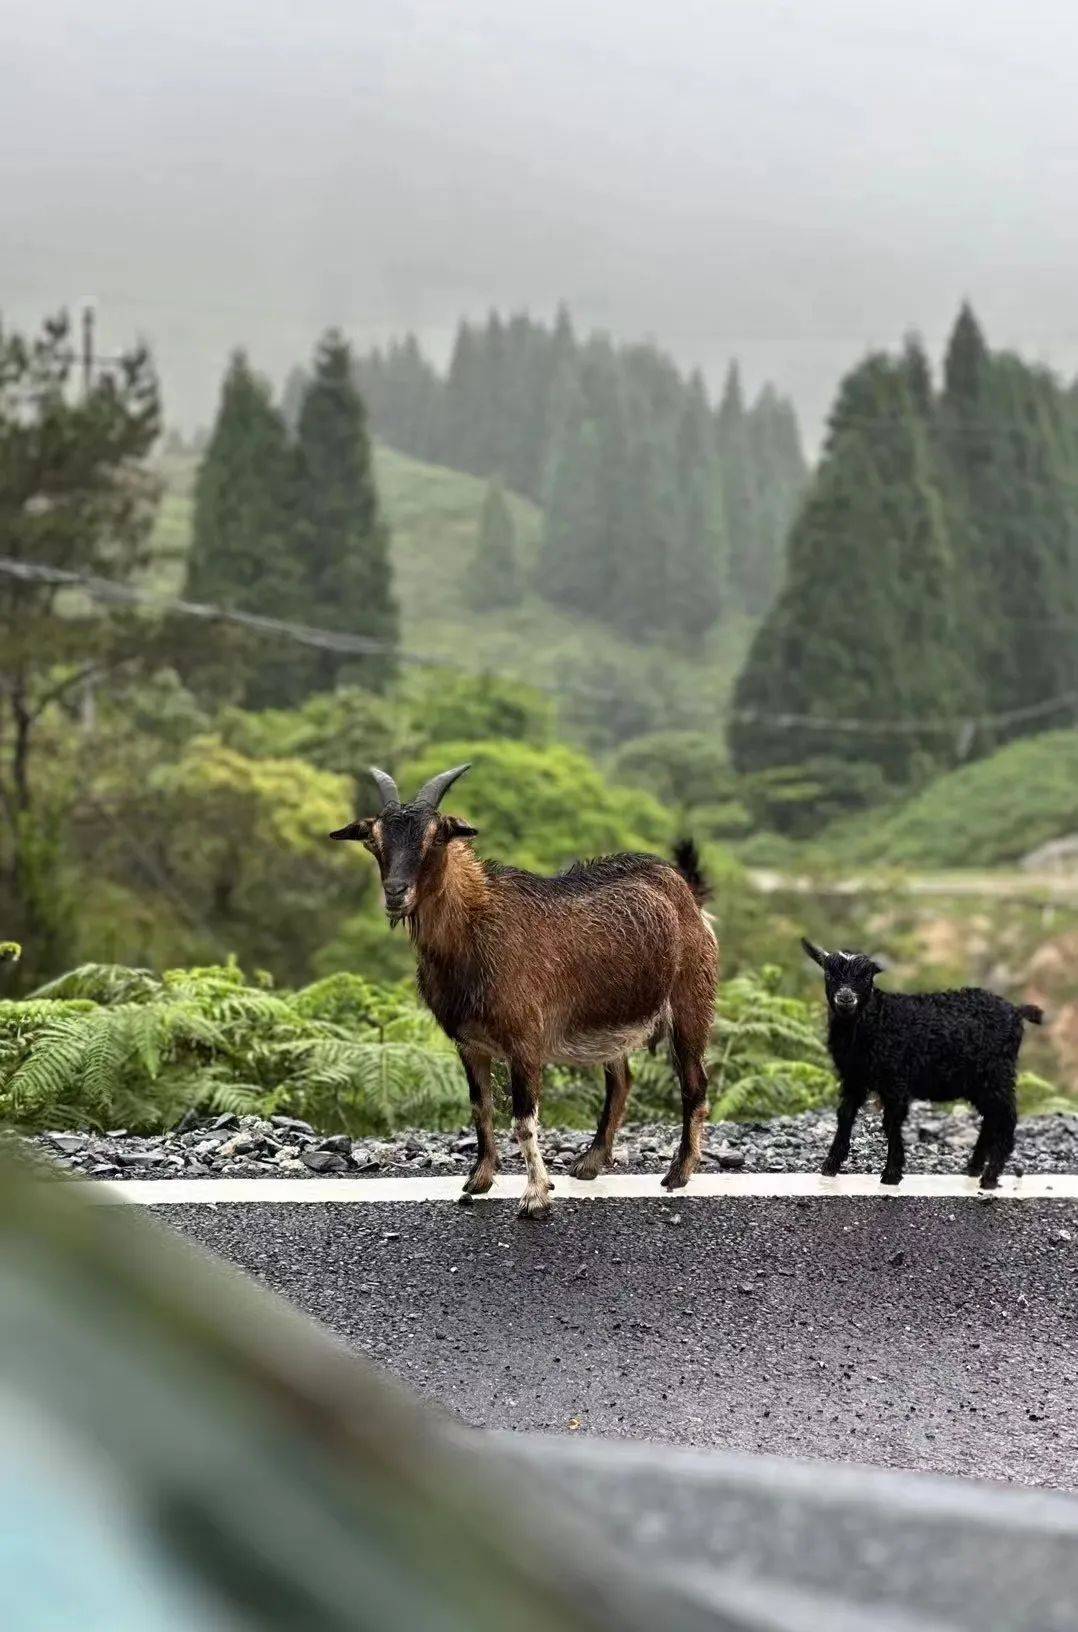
x=183 y=1451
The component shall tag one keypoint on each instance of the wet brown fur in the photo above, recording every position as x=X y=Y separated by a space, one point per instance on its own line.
x=579 y=968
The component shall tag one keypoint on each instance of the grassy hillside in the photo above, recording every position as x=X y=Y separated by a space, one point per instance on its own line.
x=984 y=815
x=608 y=689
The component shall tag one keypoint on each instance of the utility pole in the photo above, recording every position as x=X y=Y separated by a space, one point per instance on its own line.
x=87 y=349
x=87 y=357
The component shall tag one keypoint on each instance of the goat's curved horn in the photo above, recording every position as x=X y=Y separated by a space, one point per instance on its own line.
x=433 y=792
x=386 y=787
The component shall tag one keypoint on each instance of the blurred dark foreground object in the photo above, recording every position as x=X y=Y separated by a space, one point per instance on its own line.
x=183 y=1451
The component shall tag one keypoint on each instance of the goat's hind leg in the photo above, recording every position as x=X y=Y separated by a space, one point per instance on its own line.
x=979 y=1154
x=477 y=1071
x=689 y=1063
x=525 y=1082
x=618 y=1080
x=894 y=1116
x=1000 y=1121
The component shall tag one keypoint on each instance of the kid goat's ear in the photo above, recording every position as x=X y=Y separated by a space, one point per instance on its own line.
x=454 y=828
x=816 y=953
x=878 y=964
x=355 y=830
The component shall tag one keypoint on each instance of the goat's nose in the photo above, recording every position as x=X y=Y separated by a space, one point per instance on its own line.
x=395 y=894
x=845 y=998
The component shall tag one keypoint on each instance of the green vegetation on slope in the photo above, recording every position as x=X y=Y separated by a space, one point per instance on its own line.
x=607 y=688
x=983 y=815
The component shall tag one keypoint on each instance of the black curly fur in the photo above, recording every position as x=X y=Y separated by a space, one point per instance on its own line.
x=929 y=1045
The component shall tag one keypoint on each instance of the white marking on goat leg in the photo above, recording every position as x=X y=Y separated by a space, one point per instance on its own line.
x=537 y=1191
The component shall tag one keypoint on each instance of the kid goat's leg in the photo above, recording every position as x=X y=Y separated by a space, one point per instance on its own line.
x=979 y=1154
x=848 y=1106
x=894 y=1115
x=477 y=1071
x=525 y=1081
x=1000 y=1120
x=618 y=1081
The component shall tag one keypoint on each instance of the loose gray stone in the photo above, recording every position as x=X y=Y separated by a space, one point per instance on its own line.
x=71 y=1144
x=291 y=1124
x=324 y=1161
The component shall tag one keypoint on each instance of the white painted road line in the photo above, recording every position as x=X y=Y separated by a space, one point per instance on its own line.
x=609 y=1187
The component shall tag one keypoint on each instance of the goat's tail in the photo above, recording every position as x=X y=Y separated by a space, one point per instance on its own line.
x=688 y=863
x=1031 y=1011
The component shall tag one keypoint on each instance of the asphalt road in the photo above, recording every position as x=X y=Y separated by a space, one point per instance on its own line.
x=905 y=1332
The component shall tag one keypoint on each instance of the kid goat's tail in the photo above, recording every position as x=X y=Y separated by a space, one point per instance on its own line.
x=1030 y=1011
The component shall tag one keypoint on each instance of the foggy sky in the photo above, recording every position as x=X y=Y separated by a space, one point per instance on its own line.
x=784 y=181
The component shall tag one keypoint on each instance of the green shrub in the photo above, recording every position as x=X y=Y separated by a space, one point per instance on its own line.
x=798 y=800
x=1036 y=1097
x=683 y=769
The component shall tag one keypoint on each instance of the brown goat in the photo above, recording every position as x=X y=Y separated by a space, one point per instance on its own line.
x=577 y=969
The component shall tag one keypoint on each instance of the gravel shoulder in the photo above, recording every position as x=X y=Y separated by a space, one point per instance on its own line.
x=283 y=1147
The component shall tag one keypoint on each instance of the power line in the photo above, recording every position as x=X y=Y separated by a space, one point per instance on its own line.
x=109 y=592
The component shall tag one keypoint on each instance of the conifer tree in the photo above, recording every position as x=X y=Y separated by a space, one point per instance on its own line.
x=494 y=577
x=604 y=438
x=343 y=541
x=240 y=540
x=1010 y=443
x=571 y=562
x=463 y=423
x=295 y=388
x=778 y=476
x=698 y=584
x=751 y=580
x=242 y=551
x=868 y=624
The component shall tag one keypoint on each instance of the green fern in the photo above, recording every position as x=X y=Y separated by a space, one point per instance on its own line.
x=106 y=1046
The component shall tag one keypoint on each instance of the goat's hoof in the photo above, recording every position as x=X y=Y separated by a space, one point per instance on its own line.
x=973 y=1169
x=534 y=1204
x=890 y=1175
x=676 y=1179
x=830 y=1168
x=588 y=1166
x=479 y=1181
x=989 y=1182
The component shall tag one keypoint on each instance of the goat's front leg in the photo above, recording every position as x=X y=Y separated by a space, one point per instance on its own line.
x=848 y=1107
x=525 y=1082
x=894 y=1115
x=487 y=1163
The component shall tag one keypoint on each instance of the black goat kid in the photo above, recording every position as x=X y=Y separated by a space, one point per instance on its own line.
x=921 y=1045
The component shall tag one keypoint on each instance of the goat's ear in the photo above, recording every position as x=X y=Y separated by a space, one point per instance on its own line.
x=816 y=953
x=355 y=830
x=454 y=828
x=878 y=965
